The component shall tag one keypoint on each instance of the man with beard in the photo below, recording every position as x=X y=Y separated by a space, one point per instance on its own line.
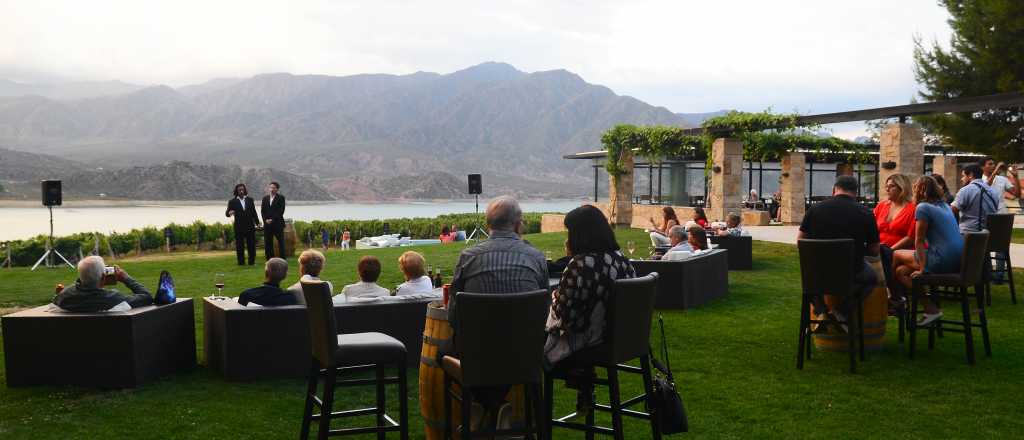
x=243 y=209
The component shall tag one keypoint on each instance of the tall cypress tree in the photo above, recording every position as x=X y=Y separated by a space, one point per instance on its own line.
x=986 y=56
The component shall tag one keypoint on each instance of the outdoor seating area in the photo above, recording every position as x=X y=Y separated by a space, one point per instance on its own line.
x=46 y=346
x=688 y=283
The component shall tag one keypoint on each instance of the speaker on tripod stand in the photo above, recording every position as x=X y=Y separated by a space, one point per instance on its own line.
x=476 y=186
x=52 y=196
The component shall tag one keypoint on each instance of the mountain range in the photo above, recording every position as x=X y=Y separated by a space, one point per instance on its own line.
x=346 y=133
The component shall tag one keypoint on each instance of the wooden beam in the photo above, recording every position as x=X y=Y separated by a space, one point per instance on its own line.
x=957 y=105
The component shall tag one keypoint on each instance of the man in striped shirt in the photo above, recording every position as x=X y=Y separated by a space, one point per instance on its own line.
x=505 y=263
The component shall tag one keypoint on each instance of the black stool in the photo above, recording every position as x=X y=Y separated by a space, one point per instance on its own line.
x=826 y=267
x=954 y=287
x=627 y=337
x=1000 y=229
x=500 y=342
x=349 y=353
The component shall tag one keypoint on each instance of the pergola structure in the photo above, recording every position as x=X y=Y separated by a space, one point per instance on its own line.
x=901 y=149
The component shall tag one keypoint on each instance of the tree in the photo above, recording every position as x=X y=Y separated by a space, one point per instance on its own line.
x=986 y=56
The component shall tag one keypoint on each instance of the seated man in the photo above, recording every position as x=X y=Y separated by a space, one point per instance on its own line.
x=679 y=240
x=311 y=263
x=369 y=272
x=843 y=217
x=505 y=263
x=270 y=293
x=732 y=226
x=88 y=294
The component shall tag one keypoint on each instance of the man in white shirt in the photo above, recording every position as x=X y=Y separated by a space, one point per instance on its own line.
x=369 y=272
x=1001 y=184
x=311 y=263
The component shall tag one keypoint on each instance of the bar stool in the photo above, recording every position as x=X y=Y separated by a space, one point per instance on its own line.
x=826 y=267
x=627 y=337
x=500 y=342
x=1000 y=229
x=954 y=287
x=335 y=354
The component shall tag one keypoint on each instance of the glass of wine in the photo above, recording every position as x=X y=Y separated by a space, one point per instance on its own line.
x=630 y=247
x=218 y=282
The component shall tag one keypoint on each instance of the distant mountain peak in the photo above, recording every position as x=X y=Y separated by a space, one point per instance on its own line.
x=489 y=71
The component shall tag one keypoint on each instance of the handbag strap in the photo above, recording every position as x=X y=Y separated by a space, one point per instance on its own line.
x=666 y=367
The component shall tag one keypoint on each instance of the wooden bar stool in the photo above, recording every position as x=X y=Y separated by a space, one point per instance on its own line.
x=826 y=267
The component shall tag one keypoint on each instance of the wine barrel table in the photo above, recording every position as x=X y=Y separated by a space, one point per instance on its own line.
x=876 y=313
x=436 y=332
x=291 y=241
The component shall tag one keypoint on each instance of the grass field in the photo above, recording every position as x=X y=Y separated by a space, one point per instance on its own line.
x=734 y=359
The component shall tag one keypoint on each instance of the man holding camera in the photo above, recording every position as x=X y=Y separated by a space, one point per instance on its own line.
x=89 y=295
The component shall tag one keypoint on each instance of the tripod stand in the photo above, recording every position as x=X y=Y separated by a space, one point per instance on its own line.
x=50 y=249
x=476 y=227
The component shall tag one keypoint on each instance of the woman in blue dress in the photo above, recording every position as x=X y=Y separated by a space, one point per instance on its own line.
x=938 y=244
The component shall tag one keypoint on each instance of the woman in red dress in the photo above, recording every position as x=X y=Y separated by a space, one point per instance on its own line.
x=895 y=219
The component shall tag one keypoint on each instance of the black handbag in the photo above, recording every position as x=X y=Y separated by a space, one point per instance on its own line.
x=666 y=402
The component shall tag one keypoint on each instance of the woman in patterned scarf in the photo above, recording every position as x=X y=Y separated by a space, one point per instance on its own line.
x=578 y=307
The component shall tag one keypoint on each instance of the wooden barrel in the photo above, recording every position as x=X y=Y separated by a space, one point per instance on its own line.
x=876 y=313
x=290 y=239
x=435 y=332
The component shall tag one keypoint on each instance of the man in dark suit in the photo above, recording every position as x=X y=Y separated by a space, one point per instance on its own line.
x=243 y=209
x=272 y=208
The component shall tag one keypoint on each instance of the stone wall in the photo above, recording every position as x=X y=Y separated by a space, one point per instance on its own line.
x=726 y=192
x=621 y=195
x=902 y=144
x=945 y=166
x=791 y=207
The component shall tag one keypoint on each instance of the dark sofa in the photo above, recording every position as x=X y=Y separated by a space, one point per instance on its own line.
x=245 y=343
x=741 y=250
x=46 y=346
x=688 y=283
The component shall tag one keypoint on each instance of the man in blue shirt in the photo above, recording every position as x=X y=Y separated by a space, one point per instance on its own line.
x=975 y=201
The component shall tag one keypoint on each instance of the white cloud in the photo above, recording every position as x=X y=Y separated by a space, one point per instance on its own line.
x=686 y=55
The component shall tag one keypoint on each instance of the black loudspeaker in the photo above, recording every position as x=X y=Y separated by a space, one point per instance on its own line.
x=476 y=185
x=51 y=193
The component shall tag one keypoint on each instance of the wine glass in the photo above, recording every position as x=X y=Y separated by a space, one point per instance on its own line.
x=218 y=282
x=547 y=255
x=630 y=247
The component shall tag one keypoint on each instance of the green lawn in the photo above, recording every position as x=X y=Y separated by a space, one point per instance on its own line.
x=734 y=359
x=1018 y=236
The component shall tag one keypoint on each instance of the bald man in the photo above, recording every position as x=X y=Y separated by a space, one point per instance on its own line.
x=88 y=294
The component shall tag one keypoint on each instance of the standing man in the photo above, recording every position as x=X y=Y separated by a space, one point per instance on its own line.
x=1001 y=185
x=272 y=208
x=243 y=209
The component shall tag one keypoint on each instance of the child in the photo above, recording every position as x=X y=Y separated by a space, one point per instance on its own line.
x=345 y=239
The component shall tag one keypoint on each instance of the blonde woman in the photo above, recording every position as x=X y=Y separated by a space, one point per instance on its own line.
x=413 y=266
x=895 y=219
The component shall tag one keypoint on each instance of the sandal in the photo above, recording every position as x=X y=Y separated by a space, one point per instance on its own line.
x=929 y=318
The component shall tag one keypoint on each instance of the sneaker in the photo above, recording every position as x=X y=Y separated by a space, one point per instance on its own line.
x=929 y=318
x=840 y=320
x=816 y=326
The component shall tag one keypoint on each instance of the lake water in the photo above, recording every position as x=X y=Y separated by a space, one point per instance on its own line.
x=23 y=222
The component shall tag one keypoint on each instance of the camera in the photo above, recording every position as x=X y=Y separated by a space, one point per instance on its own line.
x=109 y=276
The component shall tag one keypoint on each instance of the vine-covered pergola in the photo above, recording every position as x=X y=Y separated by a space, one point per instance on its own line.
x=727 y=141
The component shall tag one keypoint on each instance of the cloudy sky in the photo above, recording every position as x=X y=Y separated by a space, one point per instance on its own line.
x=687 y=55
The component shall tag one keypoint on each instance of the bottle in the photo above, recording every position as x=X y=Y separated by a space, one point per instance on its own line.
x=439 y=281
x=445 y=292
x=430 y=274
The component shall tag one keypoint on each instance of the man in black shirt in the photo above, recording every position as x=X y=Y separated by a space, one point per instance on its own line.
x=843 y=217
x=270 y=293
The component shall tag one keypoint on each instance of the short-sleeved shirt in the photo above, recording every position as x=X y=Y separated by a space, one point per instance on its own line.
x=842 y=217
x=975 y=201
x=945 y=244
x=1001 y=185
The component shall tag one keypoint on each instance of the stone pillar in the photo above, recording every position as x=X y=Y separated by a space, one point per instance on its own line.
x=844 y=169
x=902 y=144
x=726 y=192
x=791 y=208
x=945 y=166
x=620 y=194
